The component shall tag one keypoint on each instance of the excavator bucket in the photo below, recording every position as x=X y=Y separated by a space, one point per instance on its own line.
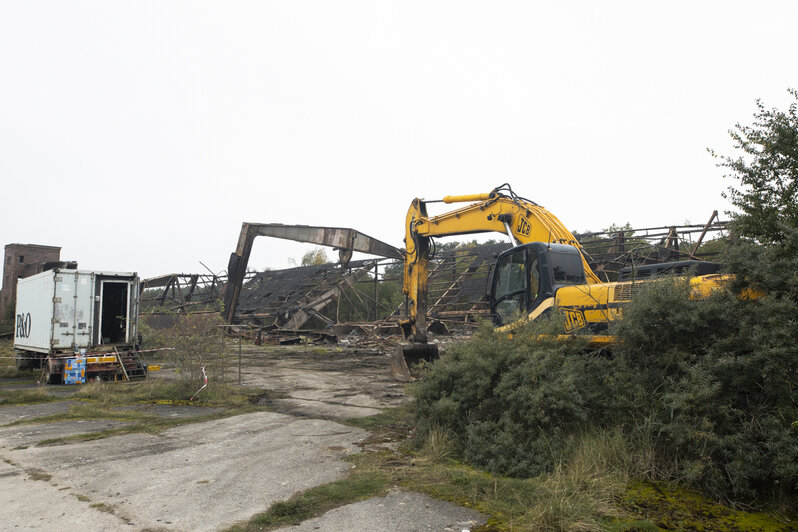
x=406 y=355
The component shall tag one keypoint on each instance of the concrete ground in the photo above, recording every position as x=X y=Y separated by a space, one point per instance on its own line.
x=210 y=475
x=200 y=476
x=334 y=382
x=408 y=512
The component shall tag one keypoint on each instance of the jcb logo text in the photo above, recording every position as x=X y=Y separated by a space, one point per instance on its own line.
x=523 y=226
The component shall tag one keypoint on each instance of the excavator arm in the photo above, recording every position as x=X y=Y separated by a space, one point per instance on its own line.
x=522 y=220
x=499 y=211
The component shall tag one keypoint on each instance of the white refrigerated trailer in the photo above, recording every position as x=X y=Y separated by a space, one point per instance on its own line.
x=94 y=314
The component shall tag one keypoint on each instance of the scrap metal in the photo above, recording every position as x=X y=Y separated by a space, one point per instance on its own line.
x=290 y=298
x=181 y=291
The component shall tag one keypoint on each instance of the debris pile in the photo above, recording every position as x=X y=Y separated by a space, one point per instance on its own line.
x=305 y=304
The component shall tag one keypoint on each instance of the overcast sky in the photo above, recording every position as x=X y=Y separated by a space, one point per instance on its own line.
x=138 y=136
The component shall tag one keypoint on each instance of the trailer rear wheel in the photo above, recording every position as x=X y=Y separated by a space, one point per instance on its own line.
x=53 y=370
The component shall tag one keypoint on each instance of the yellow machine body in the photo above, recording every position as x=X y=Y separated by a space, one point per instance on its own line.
x=585 y=301
x=493 y=212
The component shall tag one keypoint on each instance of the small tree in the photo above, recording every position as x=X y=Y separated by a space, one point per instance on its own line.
x=315 y=257
x=766 y=195
x=616 y=228
x=767 y=172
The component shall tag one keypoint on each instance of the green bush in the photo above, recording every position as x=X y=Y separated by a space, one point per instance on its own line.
x=715 y=379
x=703 y=391
x=511 y=402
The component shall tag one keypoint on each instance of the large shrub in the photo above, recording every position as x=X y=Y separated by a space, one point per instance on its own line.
x=715 y=382
x=196 y=341
x=513 y=403
x=706 y=388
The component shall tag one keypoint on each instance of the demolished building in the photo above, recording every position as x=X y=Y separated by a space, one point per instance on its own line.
x=323 y=296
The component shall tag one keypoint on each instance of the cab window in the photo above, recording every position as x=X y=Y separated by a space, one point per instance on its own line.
x=567 y=268
x=510 y=286
x=534 y=276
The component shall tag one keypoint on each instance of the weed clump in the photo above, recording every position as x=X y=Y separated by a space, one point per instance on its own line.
x=196 y=342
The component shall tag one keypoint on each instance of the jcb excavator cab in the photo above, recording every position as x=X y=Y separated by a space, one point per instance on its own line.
x=526 y=276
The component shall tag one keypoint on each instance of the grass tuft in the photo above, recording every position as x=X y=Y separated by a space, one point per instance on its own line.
x=38 y=474
x=439 y=446
x=358 y=486
x=103 y=507
x=27 y=396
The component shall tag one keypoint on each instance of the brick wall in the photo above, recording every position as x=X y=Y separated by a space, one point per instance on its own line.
x=23 y=260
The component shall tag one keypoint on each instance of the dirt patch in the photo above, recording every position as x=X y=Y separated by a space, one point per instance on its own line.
x=20 y=436
x=174 y=411
x=10 y=414
x=322 y=382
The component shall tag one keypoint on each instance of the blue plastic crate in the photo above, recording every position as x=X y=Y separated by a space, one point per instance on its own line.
x=75 y=376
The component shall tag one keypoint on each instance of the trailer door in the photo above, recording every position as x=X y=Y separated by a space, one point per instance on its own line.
x=84 y=303
x=114 y=312
x=64 y=304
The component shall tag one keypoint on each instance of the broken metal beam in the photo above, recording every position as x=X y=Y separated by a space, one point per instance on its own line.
x=703 y=234
x=345 y=240
x=336 y=237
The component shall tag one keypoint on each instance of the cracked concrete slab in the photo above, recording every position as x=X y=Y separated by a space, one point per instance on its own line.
x=406 y=511
x=319 y=408
x=201 y=476
x=332 y=383
x=209 y=475
x=41 y=505
x=174 y=411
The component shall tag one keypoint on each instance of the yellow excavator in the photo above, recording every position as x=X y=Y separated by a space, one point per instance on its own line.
x=546 y=270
